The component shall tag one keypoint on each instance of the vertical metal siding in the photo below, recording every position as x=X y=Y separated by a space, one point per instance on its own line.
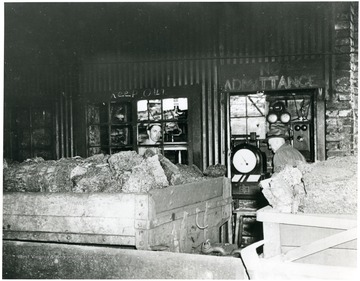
x=249 y=36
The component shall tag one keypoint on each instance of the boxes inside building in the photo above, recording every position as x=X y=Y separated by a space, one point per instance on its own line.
x=179 y=140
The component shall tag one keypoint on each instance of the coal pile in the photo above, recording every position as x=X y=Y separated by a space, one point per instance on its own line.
x=327 y=187
x=121 y=172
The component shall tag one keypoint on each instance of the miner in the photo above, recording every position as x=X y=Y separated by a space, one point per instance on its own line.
x=284 y=153
x=153 y=138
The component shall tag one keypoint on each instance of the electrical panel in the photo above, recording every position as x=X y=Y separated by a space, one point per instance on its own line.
x=302 y=132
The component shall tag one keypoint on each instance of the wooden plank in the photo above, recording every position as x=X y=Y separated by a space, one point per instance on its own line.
x=70 y=238
x=227 y=192
x=272 y=247
x=290 y=235
x=267 y=214
x=183 y=233
x=298 y=271
x=177 y=196
x=88 y=225
x=120 y=205
x=332 y=257
x=319 y=245
x=170 y=215
x=259 y=268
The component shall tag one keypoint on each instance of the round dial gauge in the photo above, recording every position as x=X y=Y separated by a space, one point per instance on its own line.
x=244 y=160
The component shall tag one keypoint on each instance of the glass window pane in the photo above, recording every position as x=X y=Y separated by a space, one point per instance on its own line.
x=142 y=112
x=237 y=106
x=168 y=104
x=93 y=114
x=94 y=135
x=175 y=108
x=94 y=150
x=119 y=113
x=183 y=103
x=238 y=126
x=299 y=109
x=256 y=106
x=154 y=107
x=175 y=132
x=119 y=136
x=258 y=125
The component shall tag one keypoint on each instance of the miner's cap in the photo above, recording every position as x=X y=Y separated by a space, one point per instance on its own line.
x=152 y=125
x=277 y=132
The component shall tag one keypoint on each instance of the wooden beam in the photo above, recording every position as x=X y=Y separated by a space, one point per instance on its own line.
x=319 y=245
x=268 y=214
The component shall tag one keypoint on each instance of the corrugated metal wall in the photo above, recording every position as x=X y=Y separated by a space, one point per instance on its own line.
x=104 y=78
x=230 y=33
x=36 y=82
x=264 y=33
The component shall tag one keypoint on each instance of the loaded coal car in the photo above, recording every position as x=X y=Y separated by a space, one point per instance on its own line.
x=118 y=216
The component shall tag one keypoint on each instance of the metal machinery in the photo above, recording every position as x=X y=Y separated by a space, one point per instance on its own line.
x=296 y=110
x=248 y=166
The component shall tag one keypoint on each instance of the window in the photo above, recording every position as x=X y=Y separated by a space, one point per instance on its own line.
x=109 y=127
x=33 y=132
x=247 y=115
x=170 y=116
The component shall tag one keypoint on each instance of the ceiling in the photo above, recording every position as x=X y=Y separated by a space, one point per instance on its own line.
x=50 y=31
x=43 y=33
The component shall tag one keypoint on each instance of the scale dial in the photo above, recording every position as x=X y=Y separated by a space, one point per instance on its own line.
x=245 y=160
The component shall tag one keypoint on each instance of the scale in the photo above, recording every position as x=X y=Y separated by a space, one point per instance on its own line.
x=248 y=167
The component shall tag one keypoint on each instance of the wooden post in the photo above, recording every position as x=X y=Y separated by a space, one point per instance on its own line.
x=272 y=246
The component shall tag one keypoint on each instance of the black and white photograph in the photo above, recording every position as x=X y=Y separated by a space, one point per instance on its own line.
x=180 y=140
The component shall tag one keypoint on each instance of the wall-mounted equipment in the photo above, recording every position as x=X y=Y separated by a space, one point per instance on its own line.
x=248 y=167
x=296 y=109
x=277 y=112
x=301 y=140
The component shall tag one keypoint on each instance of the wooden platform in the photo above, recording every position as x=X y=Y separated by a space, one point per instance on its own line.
x=304 y=246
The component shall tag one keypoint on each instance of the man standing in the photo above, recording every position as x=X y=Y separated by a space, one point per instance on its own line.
x=284 y=153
